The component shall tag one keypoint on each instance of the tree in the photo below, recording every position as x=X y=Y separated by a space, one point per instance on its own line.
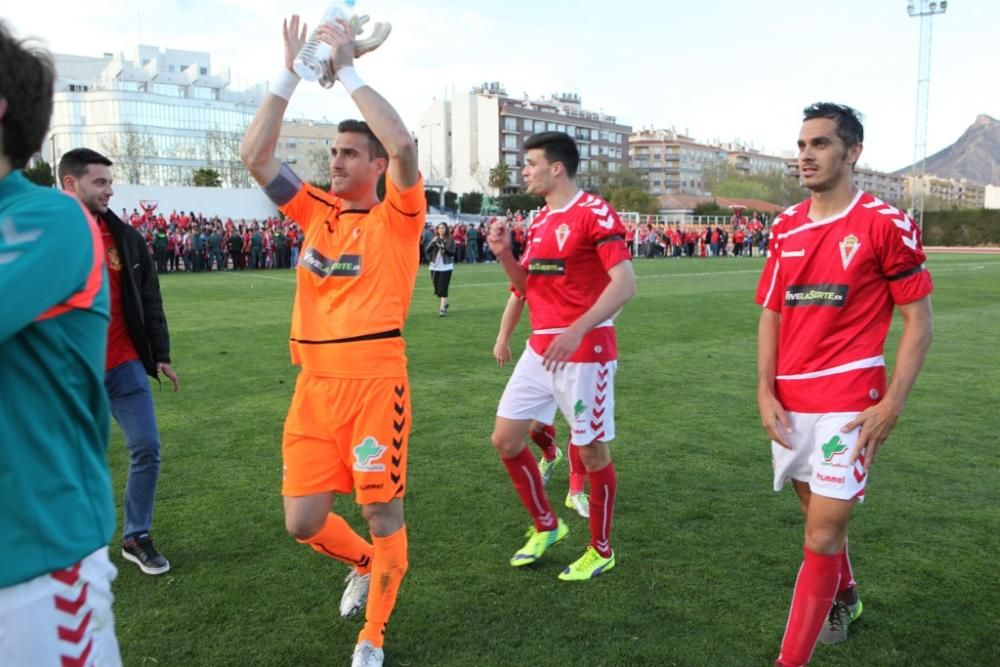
x=603 y=182
x=40 y=173
x=450 y=200
x=319 y=160
x=635 y=199
x=222 y=153
x=500 y=177
x=772 y=186
x=520 y=201
x=471 y=202
x=129 y=150
x=206 y=177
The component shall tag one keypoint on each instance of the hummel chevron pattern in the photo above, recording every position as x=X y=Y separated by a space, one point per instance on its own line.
x=397 y=440
x=903 y=221
x=12 y=237
x=75 y=633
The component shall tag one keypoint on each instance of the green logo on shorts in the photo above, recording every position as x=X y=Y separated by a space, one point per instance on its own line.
x=369 y=450
x=579 y=409
x=833 y=447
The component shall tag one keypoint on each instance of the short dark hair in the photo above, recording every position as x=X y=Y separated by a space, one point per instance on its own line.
x=75 y=162
x=375 y=147
x=27 y=77
x=558 y=147
x=849 y=127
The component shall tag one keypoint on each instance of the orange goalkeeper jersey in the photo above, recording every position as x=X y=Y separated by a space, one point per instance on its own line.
x=354 y=281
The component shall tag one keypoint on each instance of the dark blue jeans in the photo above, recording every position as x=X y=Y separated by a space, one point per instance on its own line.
x=132 y=407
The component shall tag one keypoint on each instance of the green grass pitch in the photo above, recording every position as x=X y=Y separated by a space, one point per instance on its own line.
x=707 y=553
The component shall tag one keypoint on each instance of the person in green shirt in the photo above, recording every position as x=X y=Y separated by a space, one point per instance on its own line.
x=55 y=488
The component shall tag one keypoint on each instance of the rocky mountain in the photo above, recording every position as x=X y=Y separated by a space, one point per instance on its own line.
x=975 y=156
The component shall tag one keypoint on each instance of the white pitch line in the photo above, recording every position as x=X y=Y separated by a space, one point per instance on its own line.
x=653 y=276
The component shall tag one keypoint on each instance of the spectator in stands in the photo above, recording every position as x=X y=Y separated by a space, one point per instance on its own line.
x=236 y=248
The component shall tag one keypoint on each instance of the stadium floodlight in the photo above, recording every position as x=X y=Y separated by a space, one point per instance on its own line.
x=925 y=11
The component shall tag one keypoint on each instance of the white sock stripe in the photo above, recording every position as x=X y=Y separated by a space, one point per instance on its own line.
x=606 y=519
x=534 y=493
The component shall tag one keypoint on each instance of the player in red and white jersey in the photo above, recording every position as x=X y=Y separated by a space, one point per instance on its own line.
x=576 y=274
x=838 y=265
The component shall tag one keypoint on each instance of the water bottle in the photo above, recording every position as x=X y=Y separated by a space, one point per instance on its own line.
x=310 y=64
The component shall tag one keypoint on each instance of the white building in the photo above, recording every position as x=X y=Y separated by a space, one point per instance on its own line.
x=159 y=115
x=992 y=196
x=463 y=139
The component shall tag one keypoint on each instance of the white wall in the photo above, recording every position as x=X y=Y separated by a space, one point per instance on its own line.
x=235 y=203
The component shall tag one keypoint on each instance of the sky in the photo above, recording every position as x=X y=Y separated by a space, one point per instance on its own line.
x=727 y=70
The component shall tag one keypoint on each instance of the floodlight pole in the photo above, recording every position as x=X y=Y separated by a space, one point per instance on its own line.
x=925 y=10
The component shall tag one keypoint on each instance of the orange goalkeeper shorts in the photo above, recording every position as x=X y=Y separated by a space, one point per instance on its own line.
x=344 y=434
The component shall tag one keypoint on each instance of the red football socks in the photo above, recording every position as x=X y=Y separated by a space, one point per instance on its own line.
x=815 y=587
x=546 y=441
x=603 y=486
x=527 y=480
x=577 y=473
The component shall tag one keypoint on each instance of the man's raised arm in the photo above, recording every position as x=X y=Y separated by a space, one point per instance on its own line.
x=377 y=112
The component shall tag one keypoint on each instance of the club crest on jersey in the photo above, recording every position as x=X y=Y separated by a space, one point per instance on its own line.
x=848 y=248
x=114 y=261
x=562 y=233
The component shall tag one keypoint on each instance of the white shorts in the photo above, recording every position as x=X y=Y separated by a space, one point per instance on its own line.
x=61 y=618
x=583 y=391
x=819 y=456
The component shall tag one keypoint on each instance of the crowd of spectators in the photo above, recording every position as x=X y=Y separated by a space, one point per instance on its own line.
x=741 y=237
x=189 y=241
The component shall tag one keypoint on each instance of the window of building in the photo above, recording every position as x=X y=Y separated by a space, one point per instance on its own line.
x=510 y=159
x=510 y=141
x=527 y=124
x=510 y=123
x=539 y=126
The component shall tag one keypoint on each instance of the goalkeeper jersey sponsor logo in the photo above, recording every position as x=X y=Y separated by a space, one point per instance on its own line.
x=816 y=295
x=345 y=265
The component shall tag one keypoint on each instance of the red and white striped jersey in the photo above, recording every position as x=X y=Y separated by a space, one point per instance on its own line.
x=568 y=254
x=835 y=283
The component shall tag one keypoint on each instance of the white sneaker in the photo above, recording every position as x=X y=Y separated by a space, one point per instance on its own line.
x=579 y=502
x=366 y=655
x=355 y=593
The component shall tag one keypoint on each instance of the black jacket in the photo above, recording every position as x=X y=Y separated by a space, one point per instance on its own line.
x=142 y=305
x=445 y=246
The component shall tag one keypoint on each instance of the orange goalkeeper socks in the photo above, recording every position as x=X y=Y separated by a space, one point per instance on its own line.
x=338 y=540
x=389 y=564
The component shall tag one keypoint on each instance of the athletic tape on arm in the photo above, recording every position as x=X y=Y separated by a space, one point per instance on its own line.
x=284 y=187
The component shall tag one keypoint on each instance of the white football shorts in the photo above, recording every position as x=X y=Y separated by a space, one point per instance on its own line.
x=819 y=456
x=62 y=617
x=583 y=391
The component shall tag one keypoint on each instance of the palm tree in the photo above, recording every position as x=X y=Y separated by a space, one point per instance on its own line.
x=500 y=177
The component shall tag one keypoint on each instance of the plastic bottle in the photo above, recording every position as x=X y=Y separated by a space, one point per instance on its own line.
x=311 y=61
